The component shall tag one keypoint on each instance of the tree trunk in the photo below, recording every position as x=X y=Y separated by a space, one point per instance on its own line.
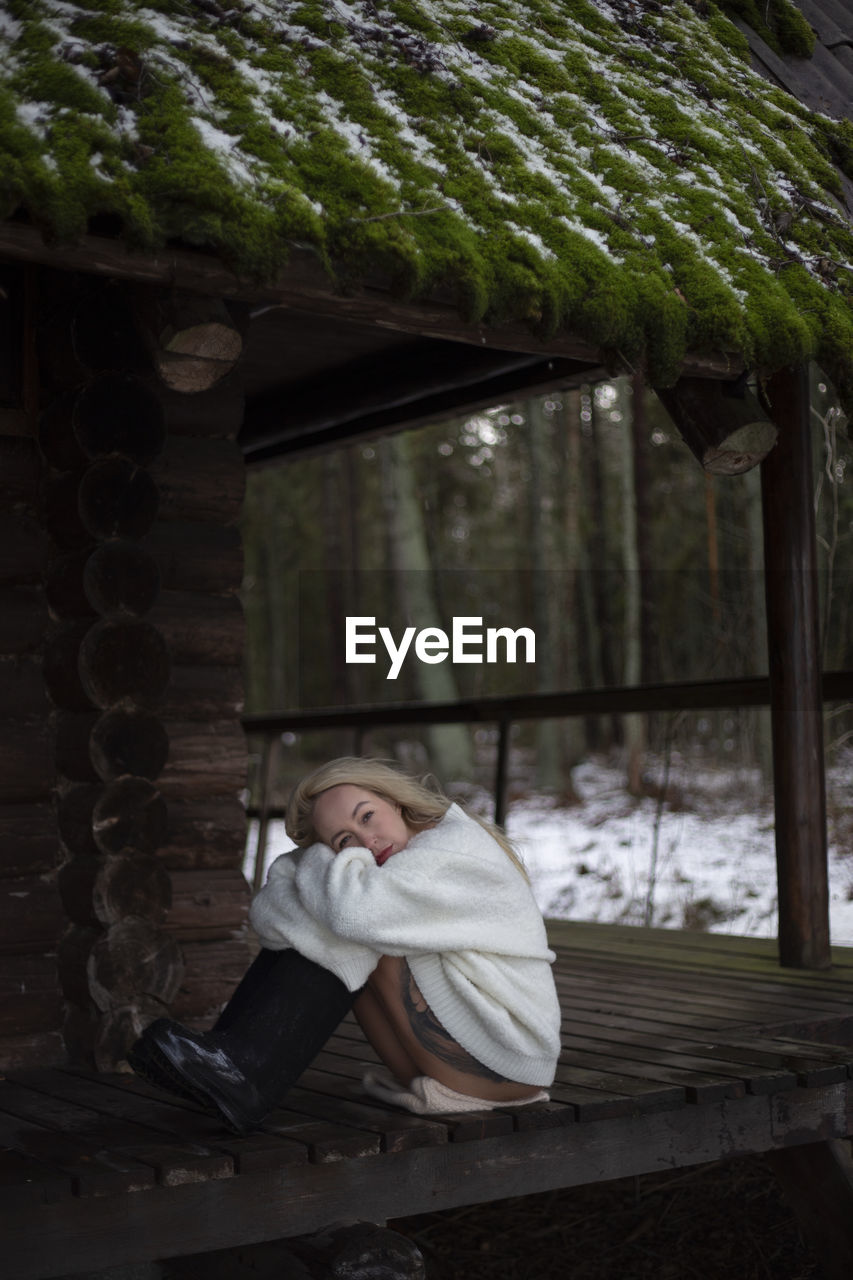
x=649 y=663
x=634 y=725
x=450 y=745
x=549 y=774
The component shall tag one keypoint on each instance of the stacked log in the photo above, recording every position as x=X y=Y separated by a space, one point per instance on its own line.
x=30 y=906
x=143 y=487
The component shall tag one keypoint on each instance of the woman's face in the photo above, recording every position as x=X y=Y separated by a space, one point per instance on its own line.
x=348 y=816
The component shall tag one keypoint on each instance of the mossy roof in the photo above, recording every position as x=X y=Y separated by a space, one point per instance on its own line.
x=612 y=168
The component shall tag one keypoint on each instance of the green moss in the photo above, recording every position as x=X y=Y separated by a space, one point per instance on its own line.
x=837 y=138
x=641 y=140
x=728 y=35
x=112 y=29
x=59 y=84
x=778 y=22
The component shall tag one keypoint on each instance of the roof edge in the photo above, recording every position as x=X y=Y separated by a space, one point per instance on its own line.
x=304 y=286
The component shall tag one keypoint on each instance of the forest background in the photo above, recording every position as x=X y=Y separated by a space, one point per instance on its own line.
x=583 y=516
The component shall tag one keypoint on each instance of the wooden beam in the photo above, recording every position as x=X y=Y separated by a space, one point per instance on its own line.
x=305 y=287
x=790 y=570
x=95 y=1232
x=425 y=383
x=723 y=424
x=746 y=692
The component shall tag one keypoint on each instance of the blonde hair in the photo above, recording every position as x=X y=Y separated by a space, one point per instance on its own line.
x=421 y=800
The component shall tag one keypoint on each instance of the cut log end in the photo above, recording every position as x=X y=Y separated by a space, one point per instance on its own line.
x=743 y=450
x=212 y=340
x=130 y=817
x=725 y=427
x=191 y=374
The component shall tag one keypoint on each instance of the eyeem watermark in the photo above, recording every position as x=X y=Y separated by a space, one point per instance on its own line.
x=431 y=644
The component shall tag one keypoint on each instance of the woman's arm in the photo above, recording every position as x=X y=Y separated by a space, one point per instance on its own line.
x=452 y=888
x=281 y=919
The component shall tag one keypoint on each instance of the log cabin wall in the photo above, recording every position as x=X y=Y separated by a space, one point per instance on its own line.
x=30 y=910
x=130 y=692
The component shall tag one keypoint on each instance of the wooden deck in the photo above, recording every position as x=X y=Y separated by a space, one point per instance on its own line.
x=677 y=1049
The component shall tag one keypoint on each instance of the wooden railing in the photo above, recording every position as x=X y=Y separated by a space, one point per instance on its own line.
x=751 y=691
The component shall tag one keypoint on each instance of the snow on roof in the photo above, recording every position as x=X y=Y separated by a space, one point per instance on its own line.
x=613 y=168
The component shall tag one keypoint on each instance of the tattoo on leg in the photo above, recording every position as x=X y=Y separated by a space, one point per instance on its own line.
x=431 y=1034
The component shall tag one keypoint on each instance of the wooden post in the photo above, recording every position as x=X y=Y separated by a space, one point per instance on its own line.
x=791 y=587
x=817 y=1179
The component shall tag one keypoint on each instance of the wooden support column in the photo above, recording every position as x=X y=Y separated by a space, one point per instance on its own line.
x=817 y=1179
x=795 y=677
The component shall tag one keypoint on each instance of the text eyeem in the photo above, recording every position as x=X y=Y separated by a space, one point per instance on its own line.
x=431 y=644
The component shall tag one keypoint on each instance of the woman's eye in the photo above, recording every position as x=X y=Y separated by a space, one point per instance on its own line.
x=366 y=816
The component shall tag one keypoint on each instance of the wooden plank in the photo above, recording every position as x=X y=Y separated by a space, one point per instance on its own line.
x=590 y=936
x=254 y=1152
x=698 y=1086
x=326 y=1143
x=141 y=1129
x=161 y=1111
x=322 y=1141
x=25 y=1181
x=299 y=1199
x=328 y=1096
x=648 y=1056
x=594 y=1095
x=663 y=959
x=741 y=1002
x=703 y=980
x=348 y=1064
x=92 y=1170
x=577 y=1002
x=712 y=1010
x=645 y=982
x=811 y=1067
x=599 y=1093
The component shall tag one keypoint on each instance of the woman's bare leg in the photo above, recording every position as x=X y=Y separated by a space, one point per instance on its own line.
x=411 y=1041
x=380 y=1032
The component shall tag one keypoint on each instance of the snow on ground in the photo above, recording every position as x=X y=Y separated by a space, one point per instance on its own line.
x=707 y=864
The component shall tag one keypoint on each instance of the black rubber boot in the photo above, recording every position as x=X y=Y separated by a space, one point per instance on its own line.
x=148 y=1063
x=278 y=1019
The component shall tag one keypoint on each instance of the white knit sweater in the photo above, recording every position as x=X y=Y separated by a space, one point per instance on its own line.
x=454 y=905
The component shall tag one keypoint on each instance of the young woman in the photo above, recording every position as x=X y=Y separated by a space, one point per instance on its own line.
x=418 y=915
